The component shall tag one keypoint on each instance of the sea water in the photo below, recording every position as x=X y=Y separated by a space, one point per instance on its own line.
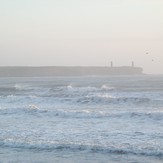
x=82 y=119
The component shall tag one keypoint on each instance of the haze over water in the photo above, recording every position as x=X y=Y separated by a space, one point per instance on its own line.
x=82 y=33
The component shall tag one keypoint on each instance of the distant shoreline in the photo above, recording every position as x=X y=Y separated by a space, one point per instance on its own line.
x=50 y=71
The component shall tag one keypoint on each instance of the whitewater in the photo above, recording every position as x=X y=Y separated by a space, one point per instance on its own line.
x=82 y=119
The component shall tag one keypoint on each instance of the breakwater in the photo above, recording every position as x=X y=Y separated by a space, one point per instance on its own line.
x=67 y=71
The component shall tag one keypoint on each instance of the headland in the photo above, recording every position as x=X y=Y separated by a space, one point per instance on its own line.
x=51 y=71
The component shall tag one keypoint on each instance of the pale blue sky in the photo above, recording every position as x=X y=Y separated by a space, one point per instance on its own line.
x=82 y=32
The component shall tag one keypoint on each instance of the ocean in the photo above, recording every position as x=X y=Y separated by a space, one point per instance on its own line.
x=91 y=119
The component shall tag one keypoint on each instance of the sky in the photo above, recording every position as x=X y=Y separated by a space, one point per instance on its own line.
x=82 y=33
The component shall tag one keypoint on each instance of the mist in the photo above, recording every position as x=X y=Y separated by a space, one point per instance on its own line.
x=82 y=33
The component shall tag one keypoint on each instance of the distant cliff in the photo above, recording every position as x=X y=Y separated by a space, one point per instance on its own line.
x=67 y=71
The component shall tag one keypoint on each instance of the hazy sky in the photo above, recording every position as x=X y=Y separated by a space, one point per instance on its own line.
x=82 y=32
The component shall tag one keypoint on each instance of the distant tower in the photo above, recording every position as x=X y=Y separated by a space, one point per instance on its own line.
x=133 y=64
x=111 y=64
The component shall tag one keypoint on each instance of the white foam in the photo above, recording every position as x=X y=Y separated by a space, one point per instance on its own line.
x=69 y=87
x=53 y=114
x=107 y=87
x=105 y=95
x=33 y=107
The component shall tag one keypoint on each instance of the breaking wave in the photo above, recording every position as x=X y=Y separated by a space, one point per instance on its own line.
x=32 y=109
x=107 y=87
x=119 y=115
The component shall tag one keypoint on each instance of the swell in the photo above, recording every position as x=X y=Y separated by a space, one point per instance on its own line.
x=105 y=99
x=34 y=110
x=98 y=98
x=53 y=146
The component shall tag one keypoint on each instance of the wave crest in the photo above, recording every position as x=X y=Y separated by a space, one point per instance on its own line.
x=53 y=145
